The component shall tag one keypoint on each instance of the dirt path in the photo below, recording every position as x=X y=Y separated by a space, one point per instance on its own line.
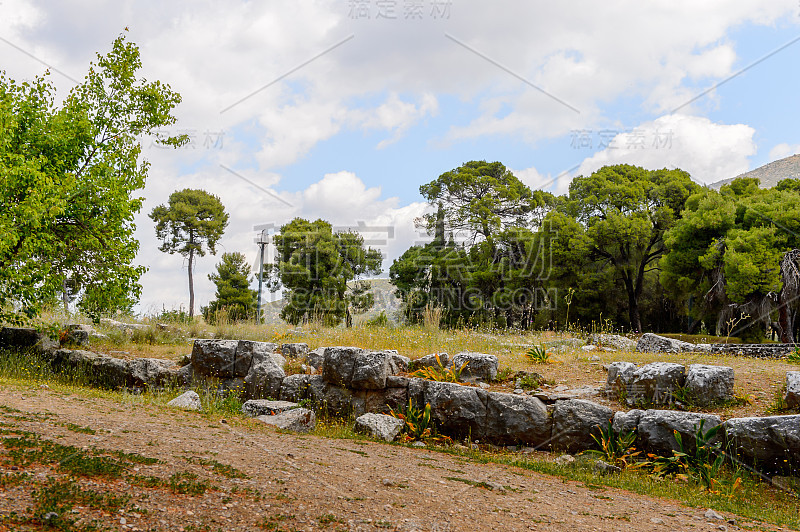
x=302 y=482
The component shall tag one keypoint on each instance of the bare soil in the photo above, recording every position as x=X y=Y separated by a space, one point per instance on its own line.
x=297 y=482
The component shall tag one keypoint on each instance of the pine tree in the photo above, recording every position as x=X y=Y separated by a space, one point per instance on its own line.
x=234 y=294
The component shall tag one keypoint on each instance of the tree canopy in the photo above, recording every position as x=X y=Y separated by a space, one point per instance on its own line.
x=734 y=253
x=492 y=276
x=481 y=199
x=625 y=211
x=234 y=295
x=190 y=224
x=314 y=265
x=68 y=177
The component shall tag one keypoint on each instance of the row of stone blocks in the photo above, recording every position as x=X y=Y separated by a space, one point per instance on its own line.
x=354 y=381
x=653 y=343
x=668 y=382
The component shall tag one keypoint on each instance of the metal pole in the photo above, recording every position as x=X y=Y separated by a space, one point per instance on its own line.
x=261 y=244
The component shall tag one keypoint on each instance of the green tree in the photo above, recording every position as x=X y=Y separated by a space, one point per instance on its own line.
x=190 y=224
x=314 y=265
x=68 y=174
x=233 y=294
x=625 y=211
x=481 y=199
x=433 y=275
x=734 y=253
x=490 y=278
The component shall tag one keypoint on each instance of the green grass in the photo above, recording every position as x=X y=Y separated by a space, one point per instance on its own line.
x=55 y=498
x=218 y=468
x=186 y=483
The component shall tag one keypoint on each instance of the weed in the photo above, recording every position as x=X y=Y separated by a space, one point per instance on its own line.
x=504 y=375
x=77 y=428
x=538 y=354
x=213 y=403
x=146 y=481
x=440 y=373
x=794 y=356
x=135 y=458
x=432 y=317
x=473 y=483
x=187 y=483
x=418 y=425
x=779 y=404
x=224 y=470
x=272 y=522
x=378 y=321
x=701 y=464
x=30 y=449
x=327 y=519
x=293 y=366
x=530 y=381
x=55 y=498
x=616 y=448
x=9 y=480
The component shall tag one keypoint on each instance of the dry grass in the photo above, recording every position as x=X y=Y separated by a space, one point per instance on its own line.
x=757 y=379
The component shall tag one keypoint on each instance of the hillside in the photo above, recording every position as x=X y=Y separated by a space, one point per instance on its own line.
x=769 y=174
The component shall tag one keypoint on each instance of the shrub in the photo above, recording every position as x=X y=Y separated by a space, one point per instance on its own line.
x=794 y=356
x=702 y=463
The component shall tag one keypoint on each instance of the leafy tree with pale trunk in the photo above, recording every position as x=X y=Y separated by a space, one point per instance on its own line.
x=69 y=174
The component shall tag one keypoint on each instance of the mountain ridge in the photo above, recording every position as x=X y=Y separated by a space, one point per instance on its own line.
x=770 y=173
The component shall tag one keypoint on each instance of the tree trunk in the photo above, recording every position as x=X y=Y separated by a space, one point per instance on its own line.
x=633 y=306
x=65 y=295
x=784 y=319
x=191 y=284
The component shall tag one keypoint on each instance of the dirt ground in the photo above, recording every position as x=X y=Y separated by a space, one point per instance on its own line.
x=297 y=482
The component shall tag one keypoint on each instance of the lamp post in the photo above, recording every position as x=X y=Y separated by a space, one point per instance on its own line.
x=263 y=240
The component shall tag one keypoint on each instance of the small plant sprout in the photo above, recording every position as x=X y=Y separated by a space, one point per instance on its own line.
x=732 y=323
x=538 y=354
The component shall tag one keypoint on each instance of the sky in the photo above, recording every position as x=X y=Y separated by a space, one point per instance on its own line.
x=341 y=109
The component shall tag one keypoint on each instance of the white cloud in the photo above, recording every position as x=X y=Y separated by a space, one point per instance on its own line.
x=341 y=198
x=783 y=150
x=708 y=151
x=584 y=53
x=396 y=116
x=557 y=184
